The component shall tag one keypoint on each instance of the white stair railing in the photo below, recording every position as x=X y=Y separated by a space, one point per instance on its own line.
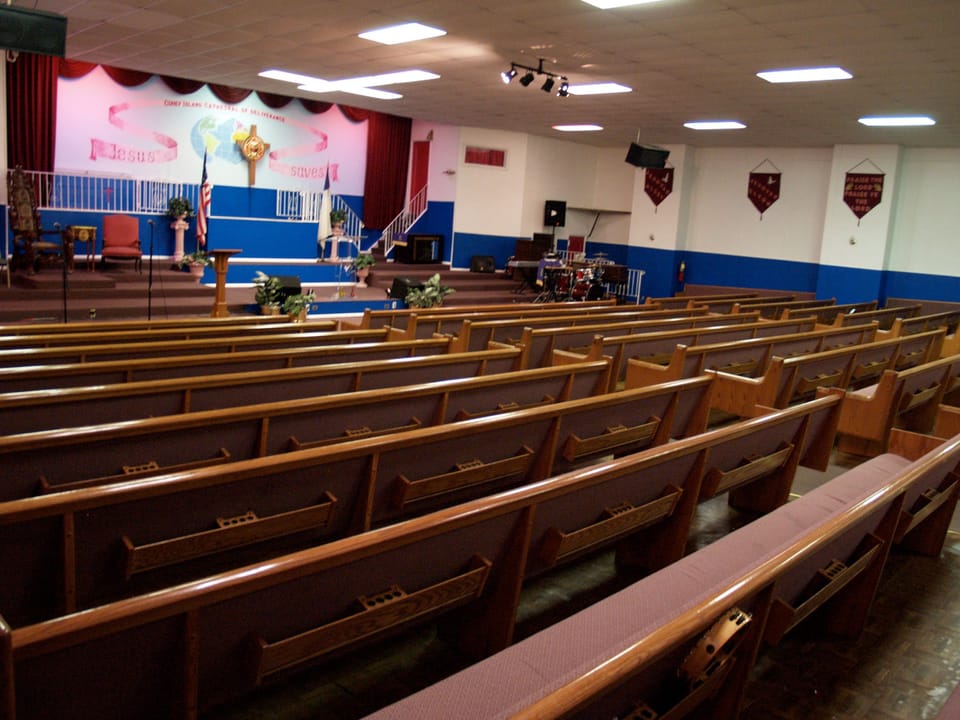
x=402 y=223
x=106 y=193
x=304 y=206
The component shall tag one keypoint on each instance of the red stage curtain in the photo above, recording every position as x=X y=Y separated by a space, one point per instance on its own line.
x=32 y=128
x=388 y=150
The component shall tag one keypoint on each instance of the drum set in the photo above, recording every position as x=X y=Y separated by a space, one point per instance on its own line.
x=583 y=281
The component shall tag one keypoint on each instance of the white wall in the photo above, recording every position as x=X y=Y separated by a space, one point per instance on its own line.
x=489 y=200
x=723 y=220
x=444 y=148
x=926 y=216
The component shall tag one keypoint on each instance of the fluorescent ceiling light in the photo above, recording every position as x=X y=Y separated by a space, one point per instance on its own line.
x=364 y=86
x=407 y=32
x=598 y=89
x=608 y=4
x=714 y=125
x=804 y=75
x=903 y=121
x=577 y=128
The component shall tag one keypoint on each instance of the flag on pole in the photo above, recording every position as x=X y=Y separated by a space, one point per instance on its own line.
x=324 y=230
x=203 y=209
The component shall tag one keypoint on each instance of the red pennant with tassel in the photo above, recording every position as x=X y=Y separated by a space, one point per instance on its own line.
x=658 y=184
x=763 y=189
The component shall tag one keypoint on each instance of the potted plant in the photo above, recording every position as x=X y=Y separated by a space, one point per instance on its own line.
x=430 y=295
x=195 y=263
x=338 y=217
x=267 y=295
x=361 y=266
x=296 y=306
x=179 y=208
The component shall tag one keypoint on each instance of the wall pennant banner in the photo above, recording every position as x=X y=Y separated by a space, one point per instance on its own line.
x=658 y=184
x=763 y=190
x=862 y=192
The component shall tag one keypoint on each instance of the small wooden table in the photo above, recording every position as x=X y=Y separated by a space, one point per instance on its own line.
x=86 y=234
x=220 y=258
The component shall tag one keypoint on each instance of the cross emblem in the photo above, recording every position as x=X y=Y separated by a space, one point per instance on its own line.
x=253 y=148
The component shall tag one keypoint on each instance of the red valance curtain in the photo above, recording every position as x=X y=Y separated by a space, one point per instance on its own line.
x=32 y=111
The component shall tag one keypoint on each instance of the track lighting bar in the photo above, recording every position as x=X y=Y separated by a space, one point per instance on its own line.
x=531 y=73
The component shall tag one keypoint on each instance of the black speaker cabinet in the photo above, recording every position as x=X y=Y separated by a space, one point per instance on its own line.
x=647 y=156
x=401 y=286
x=482 y=264
x=32 y=31
x=289 y=285
x=555 y=213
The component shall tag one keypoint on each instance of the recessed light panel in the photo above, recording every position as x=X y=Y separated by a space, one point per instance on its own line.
x=903 y=121
x=805 y=75
x=407 y=32
x=714 y=125
x=598 y=89
x=577 y=128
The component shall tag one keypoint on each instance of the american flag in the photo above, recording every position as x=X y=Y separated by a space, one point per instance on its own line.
x=203 y=209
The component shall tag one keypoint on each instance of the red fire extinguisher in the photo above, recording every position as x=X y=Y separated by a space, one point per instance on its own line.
x=683 y=268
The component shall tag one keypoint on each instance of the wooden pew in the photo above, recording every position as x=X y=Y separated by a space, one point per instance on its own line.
x=108 y=326
x=659 y=347
x=428 y=325
x=397 y=317
x=908 y=399
x=827 y=315
x=789 y=380
x=726 y=306
x=622 y=656
x=682 y=301
x=775 y=310
x=60 y=408
x=749 y=357
x=539 y=344
x=476 y=335
x=919 y=323
x=183 y=332
x=165 y=348
x=109 y=372
x=138 y=536
x=884 y=316
x=219 y=637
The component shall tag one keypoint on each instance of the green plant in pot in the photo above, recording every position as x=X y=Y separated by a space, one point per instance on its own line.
x=338 y=217
x=179 y=207
x=361 y=266
x=297 y=305
x=267 y=294
x=430 y=295
x=195 y=262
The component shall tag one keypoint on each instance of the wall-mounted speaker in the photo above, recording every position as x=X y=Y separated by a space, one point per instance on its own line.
x=33 y=31
x=555 y=213
x=647 y=156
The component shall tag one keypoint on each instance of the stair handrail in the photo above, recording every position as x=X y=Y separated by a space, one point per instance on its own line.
x=406 y=219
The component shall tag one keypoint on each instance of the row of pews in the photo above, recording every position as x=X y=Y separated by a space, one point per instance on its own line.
x=231 y=522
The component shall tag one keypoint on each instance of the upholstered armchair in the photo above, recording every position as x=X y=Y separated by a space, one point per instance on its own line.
x=121 y=239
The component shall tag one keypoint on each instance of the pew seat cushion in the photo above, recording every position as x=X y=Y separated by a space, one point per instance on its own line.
x=502 y=684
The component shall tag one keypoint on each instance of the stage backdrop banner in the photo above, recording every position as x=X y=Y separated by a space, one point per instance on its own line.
x=763 y=190
x=862 y=192
x=150 y=132
x=658 y=184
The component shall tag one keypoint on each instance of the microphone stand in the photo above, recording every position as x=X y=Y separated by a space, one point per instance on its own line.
x=150 y=275
x=63 y=250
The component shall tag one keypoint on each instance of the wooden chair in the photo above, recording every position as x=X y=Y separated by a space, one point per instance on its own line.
x=121 y=239
x=29 y=246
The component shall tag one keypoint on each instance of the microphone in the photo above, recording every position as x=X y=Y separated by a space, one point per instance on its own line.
x=150 y=221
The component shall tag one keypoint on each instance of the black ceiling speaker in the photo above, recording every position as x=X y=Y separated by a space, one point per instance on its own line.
x=647 y=156
x=33 y=31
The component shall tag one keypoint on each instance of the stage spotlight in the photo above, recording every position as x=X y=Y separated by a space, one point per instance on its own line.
x=564 y=88
x=508 y=75
x=526 y=79
x=548 y=85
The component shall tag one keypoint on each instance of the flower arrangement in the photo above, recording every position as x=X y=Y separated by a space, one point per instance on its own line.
x=431 y=295
x=338 y=217
x=268 y=290
x=178 y=207
x=298 y=304
x=195 y=258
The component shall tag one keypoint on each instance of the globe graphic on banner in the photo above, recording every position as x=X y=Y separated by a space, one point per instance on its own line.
x=218 y=138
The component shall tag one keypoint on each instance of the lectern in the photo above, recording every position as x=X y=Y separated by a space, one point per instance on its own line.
x=220 y=258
